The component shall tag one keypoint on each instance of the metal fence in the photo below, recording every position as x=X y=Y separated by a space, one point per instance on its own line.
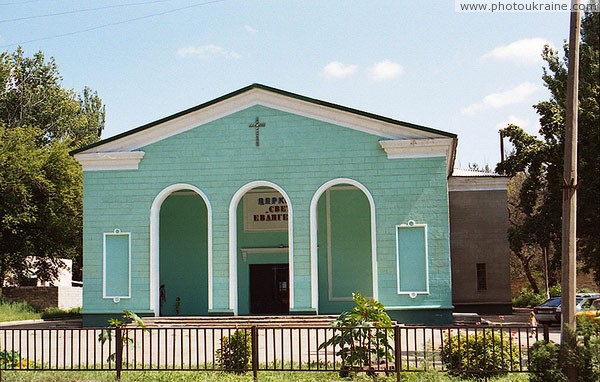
x=284 y=348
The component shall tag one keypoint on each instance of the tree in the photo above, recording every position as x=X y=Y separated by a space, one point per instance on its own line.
x=541 y=159
x=40 y=184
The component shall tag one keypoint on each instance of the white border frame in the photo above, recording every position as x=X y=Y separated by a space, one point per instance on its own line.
x=116 y=232
x=412 y=294
x=313 y=237
x=233 y=249
x=258 y=230
x=155 y=243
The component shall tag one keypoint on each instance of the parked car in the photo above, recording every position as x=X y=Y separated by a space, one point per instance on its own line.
x=545 y=313
x=591 y=312
x=549 y=312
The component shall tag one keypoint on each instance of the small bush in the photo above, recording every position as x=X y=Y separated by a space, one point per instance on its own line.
x=528 y=299
x=543 y=363
x=581 y=350
x=479 y=355
x=363 y=335
x=555 y=290
x=588 y=349
x=235 y=352
x=9 y=359
x=50 y=313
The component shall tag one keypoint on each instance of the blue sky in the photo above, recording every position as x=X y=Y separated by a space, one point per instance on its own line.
x=419 y=62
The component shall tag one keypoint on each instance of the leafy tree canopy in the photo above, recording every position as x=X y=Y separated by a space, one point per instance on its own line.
x=40 y=184
x=540 y=159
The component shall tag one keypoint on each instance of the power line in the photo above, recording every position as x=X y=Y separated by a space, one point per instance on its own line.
x=80 y=11
x=111 y=24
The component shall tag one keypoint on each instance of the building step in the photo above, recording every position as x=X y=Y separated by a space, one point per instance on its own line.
x=237 y=321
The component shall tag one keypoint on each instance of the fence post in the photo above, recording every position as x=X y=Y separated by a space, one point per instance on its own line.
x=254 y=338
x=397 y=351
x=546 y=333
x=119 y=351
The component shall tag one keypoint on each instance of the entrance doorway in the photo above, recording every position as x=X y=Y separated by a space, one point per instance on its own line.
x=269 y=289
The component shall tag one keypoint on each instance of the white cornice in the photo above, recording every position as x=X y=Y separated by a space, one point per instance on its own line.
x=477 y=183
x=110 y=160
x=265 y=98
x=420 y=148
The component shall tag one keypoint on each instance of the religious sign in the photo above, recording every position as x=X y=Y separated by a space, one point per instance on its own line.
x=257 y=125
x=265 y=211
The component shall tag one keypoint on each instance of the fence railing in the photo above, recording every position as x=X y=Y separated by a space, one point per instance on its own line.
x=288 y=348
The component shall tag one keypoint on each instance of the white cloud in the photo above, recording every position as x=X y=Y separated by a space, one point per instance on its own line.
x=336 y=69
x=207 y=51
x=512 y=96
x=524 y=51
x=249 y=29
x=385 y=70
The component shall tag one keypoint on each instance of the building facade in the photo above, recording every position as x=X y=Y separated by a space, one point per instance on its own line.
x=266 y=202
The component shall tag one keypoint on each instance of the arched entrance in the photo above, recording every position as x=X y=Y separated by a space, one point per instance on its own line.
x=261 y=253
x=343 y=251
x=181 y=252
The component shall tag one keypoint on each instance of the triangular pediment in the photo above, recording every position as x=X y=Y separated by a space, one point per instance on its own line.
x=257 y=94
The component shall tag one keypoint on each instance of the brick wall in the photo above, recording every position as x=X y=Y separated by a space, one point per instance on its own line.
x=45 y=297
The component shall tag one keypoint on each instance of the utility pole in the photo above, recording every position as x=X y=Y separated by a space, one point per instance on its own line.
x=569 y=209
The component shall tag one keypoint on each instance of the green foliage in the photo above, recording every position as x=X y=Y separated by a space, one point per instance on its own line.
x=40 y=184
x=51 y=313
x=580 y=350
x=120 y=324
x=588 y=349
x=40 y=206
x=543 y=363
x=194 y=376
x=235 y=353
x=17 y=311
x=9 y=359
x=482 y=354
x=527 y=298
x=364 y=334
x=555 y=290
x=541 y=159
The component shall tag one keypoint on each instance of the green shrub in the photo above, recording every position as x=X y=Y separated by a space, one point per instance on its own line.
x=588 y=349
x=235 y=352
x=9 y=359
x=581 y=350
x=107 y=334
x=543 y=363
x=555 y=290
x=17 y=311
x=358 y=339
x=528 y=299
x=50 y=313
x=482 y=354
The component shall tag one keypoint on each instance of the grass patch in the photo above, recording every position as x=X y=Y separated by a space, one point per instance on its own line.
x=21 y=311
x=50 y=313
x=267 y=376
x=17 y=311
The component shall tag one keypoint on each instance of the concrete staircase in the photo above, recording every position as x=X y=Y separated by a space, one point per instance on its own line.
x=238 y=321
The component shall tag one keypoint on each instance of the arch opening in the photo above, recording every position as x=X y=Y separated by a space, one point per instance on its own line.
x=261 y=251
x=181 y=252
x=343 y=246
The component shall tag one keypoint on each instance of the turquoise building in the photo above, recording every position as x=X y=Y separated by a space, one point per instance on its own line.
x=267 y=202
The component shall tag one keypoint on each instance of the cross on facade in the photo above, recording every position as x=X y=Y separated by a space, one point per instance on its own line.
x=257 y=125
